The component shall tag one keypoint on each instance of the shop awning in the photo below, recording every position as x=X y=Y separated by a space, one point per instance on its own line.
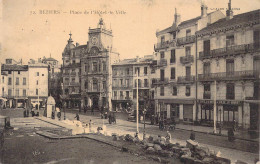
x=4 y=99
x=175 y=101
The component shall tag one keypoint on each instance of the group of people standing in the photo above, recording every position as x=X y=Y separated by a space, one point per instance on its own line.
x=30 y=109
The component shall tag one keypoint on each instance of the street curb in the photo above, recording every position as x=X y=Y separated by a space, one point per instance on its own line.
x=243 y=139
x=239 y=138
x=49 y=122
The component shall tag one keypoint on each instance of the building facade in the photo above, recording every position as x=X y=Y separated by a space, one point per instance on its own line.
x=174 y=86
x=96 y=66
x=38 y=83
x=54 y=79
x=228 y=70
x=24 y=84
x=71 y=73
x=126 y=73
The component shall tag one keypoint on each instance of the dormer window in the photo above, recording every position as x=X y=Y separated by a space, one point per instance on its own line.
x=230 y=40
x=188 y=32
x=162 y=39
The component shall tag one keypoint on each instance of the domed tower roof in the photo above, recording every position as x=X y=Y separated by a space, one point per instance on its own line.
x=70 y=44
x=50 y=101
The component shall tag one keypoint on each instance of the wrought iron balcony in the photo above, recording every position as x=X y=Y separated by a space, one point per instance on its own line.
x=172 y=61
x=121 y=98
x=66 y=83
x=206 y=95
x=236 y=75
x=187 y=59
x=185 y=40
x=186 y=79
x=167 y=44
x=73 y=73
x=93 y=90
x=72 y=65
x=122 y=87
x=159 y=81
x=230 y=50
x=74 y=84
x=162 y=63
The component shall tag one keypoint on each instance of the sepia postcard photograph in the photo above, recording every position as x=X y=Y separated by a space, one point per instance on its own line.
x=129 y=81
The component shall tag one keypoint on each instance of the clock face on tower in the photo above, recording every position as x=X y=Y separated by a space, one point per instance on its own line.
x=94 y=40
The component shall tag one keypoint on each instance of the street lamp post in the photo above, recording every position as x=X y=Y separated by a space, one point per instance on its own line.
x=144 y=123
x=137 y=103
x=38 y=104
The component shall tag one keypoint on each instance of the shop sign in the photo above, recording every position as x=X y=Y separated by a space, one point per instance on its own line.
x=226 y=102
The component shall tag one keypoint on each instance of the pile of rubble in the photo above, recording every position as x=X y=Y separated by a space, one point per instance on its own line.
x=191 y=153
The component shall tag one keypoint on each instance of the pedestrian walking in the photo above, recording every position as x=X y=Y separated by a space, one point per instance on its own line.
x=89 y=125
x=58 y=113
x=85 y=109
x=192 y=135
x=168 y=137
x=92 y=110
x=77 y=117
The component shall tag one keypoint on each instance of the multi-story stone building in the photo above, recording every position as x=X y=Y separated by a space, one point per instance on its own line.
x=71 y=73
x=54 y=79
x=26 y=84
x=16 y=90
x=3 y=86
x=125 y=76
x=174 y=86
x=96 y=65
x=228 y=70
x=37 y=83
x=87 y=70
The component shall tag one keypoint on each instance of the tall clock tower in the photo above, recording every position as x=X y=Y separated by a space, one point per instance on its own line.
x=100 y=37
x=96 y=74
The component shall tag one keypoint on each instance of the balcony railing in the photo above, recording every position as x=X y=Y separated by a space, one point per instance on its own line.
x=66 y=73
x=230 y=50
x=187 y=59
x=73 y=73
x=66 y=83
x=172 y=61
x=186 y=79
x=162 y=63
x=167 y=44
x=72 y=65
x=236 y=75
x=206 y=95
x=74 y=84
x=159 y=81
x=122 y=87
x=121 y=98
x=91 y=90
x=186 y=40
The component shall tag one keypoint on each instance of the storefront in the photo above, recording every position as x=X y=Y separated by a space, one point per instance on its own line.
x=207 y=113
x=187 y=112
x=178 y=109
x=228 y=112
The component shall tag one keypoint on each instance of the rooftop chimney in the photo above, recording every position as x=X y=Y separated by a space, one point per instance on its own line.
x=177 y=18
x=203 y=10
x=137 y=58
x=229 y=12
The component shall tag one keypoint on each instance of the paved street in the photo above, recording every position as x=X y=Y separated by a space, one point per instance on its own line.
x=240 y=149
x=23 y=145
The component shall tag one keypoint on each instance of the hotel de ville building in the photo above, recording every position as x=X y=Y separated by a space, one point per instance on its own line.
x=87 y=69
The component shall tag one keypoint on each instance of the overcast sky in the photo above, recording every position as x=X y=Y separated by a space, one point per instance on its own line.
x=28 y=34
